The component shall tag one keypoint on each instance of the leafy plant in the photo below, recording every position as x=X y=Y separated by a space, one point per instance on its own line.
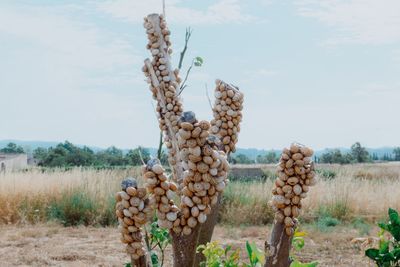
x=157 y=238
x=217 y=256
x=256 y=256
x=298 y=244
x=388 y=252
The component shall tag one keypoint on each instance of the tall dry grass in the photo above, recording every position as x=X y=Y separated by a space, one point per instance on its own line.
x=365 y=191
x=29 y=196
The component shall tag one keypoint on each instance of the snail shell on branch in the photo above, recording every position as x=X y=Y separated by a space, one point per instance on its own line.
x=295 y=175
x=132 y=211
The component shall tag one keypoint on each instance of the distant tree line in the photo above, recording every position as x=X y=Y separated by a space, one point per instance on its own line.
x=267 y=158
x=12 y=148
x=357 y=154
x=67 y=154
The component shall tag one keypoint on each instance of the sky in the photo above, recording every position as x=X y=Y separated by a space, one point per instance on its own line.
x=323 y=73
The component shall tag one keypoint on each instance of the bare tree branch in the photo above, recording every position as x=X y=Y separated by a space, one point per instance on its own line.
x=184 y=85
x=187 y=38
x=208 y=97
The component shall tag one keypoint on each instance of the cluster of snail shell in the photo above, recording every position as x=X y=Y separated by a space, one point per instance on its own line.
x=227 y=114
x=205 y=170
x=133 y=211
x=295 y=175
x=169 y=107
x=161 y=194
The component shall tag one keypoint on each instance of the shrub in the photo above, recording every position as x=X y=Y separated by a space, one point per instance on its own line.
x=327 y=174
x=73 y=209
x=324 y=223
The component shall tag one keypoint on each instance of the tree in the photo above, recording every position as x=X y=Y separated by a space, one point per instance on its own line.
x=135 y=156
x=112 y=156
x=40 y=154
x=396 y=154
x=335 y=156
x=192 y=146
x=359 y=153
x=242 y=159
x=270 y=157
x=12 y=148
x=64 y=154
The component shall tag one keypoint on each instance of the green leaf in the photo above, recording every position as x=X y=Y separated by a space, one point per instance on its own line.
x=154 y=259
x=383 y=226
x=372 y=253
x=298 y=243
x=198 y=61
x=249 y=250
x=394 y=216
x=383 y=246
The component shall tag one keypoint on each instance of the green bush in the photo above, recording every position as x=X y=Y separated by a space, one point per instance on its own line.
x=338 y=210
x=327 y=174
x=72 y=209
x=325 y=223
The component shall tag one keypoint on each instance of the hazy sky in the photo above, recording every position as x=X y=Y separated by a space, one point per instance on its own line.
x=324 y=73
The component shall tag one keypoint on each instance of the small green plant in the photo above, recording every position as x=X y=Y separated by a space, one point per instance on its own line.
x=256 y=256
x=157 y=238
x=388 y=253
x=298 y=244
x=218 y=256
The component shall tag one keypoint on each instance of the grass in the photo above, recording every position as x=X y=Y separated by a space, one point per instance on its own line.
x=85 y=196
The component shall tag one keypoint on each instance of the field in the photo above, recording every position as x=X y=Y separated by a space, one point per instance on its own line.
x=36 y=204
x=53 y=245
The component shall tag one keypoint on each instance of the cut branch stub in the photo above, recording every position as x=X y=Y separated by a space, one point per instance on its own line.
x=205 y=171
x=164 y=83
x=227 y=112
x=133 y=211
x=295 y=175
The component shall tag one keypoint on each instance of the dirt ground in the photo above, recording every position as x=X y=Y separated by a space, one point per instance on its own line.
x=53 y=245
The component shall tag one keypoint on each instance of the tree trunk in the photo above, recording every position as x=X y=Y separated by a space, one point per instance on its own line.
x=141 y=262
x=184 y=248
x=277 y=251
x=207 y=230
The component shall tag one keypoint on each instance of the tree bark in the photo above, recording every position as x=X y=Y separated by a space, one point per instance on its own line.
x=277 y=251
x=207 y=230
x=141 y=262
x=184 y=248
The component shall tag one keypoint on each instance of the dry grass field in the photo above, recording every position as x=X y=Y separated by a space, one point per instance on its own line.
x=35 y=204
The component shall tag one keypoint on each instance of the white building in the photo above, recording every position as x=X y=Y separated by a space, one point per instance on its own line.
x=13 y=162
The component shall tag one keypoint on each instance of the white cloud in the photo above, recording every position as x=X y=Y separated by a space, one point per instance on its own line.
x=357 y=21
x=221 y=12
x=76 y=44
